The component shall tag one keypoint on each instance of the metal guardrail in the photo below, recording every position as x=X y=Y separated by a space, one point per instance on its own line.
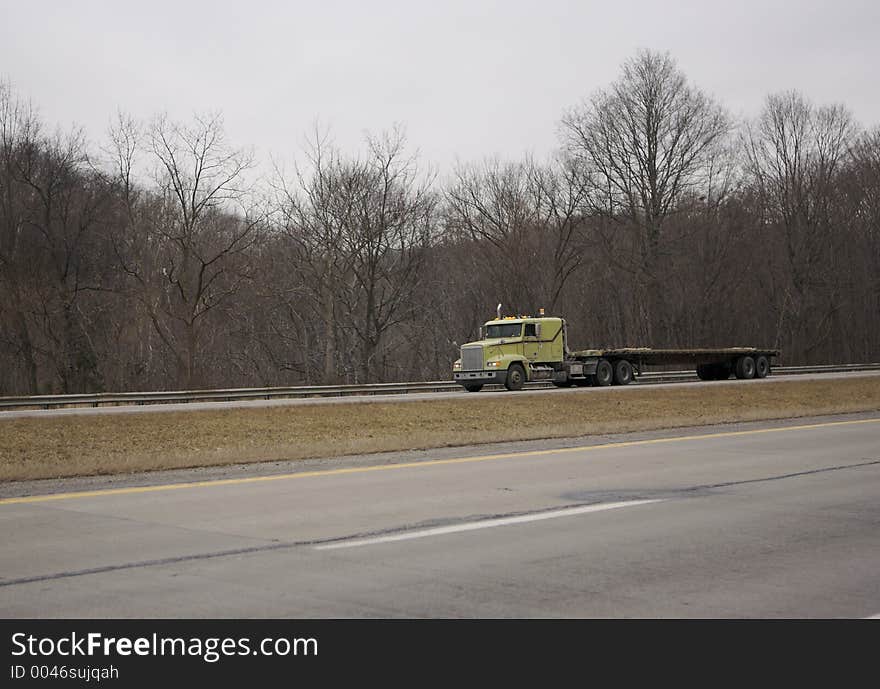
x=226 y=395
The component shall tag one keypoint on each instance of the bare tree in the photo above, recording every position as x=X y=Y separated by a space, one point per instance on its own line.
x=314 y=216
x=55 y=203
x=388 y=241
x=19 y=133
x=360 y=229
x=647 y=142
x=493 y=206
x=195 y=255
x=865 y=200
x=796 y=153
x=528 y=220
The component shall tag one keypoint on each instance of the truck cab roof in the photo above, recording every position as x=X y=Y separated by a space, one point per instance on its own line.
x=522 y=319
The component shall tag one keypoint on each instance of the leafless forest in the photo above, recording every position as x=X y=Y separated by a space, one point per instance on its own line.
x=156 y=259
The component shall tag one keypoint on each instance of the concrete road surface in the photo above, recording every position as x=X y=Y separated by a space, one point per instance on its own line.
x=776 y=519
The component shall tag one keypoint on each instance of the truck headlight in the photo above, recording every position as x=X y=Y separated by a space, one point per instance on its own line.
x=457 y=365
x=493 y=364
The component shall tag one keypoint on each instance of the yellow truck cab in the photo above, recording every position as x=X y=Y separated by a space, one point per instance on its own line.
x=510 y=351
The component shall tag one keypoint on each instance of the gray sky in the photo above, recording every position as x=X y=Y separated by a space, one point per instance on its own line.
x=467 y=79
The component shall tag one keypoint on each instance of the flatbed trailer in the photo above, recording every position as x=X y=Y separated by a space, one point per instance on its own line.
x=709 y=363
x=515 y=349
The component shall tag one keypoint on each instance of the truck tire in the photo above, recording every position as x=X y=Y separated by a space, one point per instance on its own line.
x=516 y=377
x=563 y=383
x=604 y=373
x=745 y=368
x=623 y=372
x=705 y=372
x=762 y=367
x=473 y=387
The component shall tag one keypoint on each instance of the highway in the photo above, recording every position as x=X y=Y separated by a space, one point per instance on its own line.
x=760 y=520
x=406 y=397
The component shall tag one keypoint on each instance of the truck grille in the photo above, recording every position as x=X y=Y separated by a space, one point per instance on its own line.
x=471 y=358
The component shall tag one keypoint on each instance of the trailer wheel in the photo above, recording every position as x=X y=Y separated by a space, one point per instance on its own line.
x=623 y=372
x=473 y=387
x=516 y=377
x=762 y=367
x=604 y=373
x=745 y=368
x=705 y=372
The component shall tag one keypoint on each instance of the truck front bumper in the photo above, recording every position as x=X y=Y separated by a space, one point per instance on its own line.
x=481 y=377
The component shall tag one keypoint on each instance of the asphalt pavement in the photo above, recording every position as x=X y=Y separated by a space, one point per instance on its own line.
x=772 y=519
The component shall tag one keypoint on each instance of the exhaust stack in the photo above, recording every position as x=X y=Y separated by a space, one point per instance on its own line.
x=498 y=311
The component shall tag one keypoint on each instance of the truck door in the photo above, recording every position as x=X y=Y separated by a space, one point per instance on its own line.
x=530 y=342
x=550 y=340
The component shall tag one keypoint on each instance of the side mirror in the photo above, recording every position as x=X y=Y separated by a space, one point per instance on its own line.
x=480 y=335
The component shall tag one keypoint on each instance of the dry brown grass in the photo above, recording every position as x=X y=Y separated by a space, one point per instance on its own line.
x=60 y=446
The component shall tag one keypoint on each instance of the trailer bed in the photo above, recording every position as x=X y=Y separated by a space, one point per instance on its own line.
x=646 y=356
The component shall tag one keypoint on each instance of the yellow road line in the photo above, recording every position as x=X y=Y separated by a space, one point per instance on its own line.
x=413 y=465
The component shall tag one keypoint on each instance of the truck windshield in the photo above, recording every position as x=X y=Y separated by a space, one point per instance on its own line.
x=503 y=330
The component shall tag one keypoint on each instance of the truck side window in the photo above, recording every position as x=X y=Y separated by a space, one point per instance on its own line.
x=530 y=330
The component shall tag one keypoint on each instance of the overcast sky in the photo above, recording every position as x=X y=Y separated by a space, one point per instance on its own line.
x=467 y=79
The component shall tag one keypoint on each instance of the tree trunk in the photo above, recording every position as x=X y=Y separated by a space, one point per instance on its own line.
x=27 y=347
x=329 y=339
x=81 y=363
x=190 y=371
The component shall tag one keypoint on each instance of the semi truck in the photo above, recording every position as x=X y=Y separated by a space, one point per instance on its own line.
x=515 y=349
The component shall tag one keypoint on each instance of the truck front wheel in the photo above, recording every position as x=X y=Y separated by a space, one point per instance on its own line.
x=516 y=377
x=473 y=387
x=604 y=373
x=623 y=372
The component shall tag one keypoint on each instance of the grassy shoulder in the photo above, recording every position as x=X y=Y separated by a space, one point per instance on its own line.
x=61 y=446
